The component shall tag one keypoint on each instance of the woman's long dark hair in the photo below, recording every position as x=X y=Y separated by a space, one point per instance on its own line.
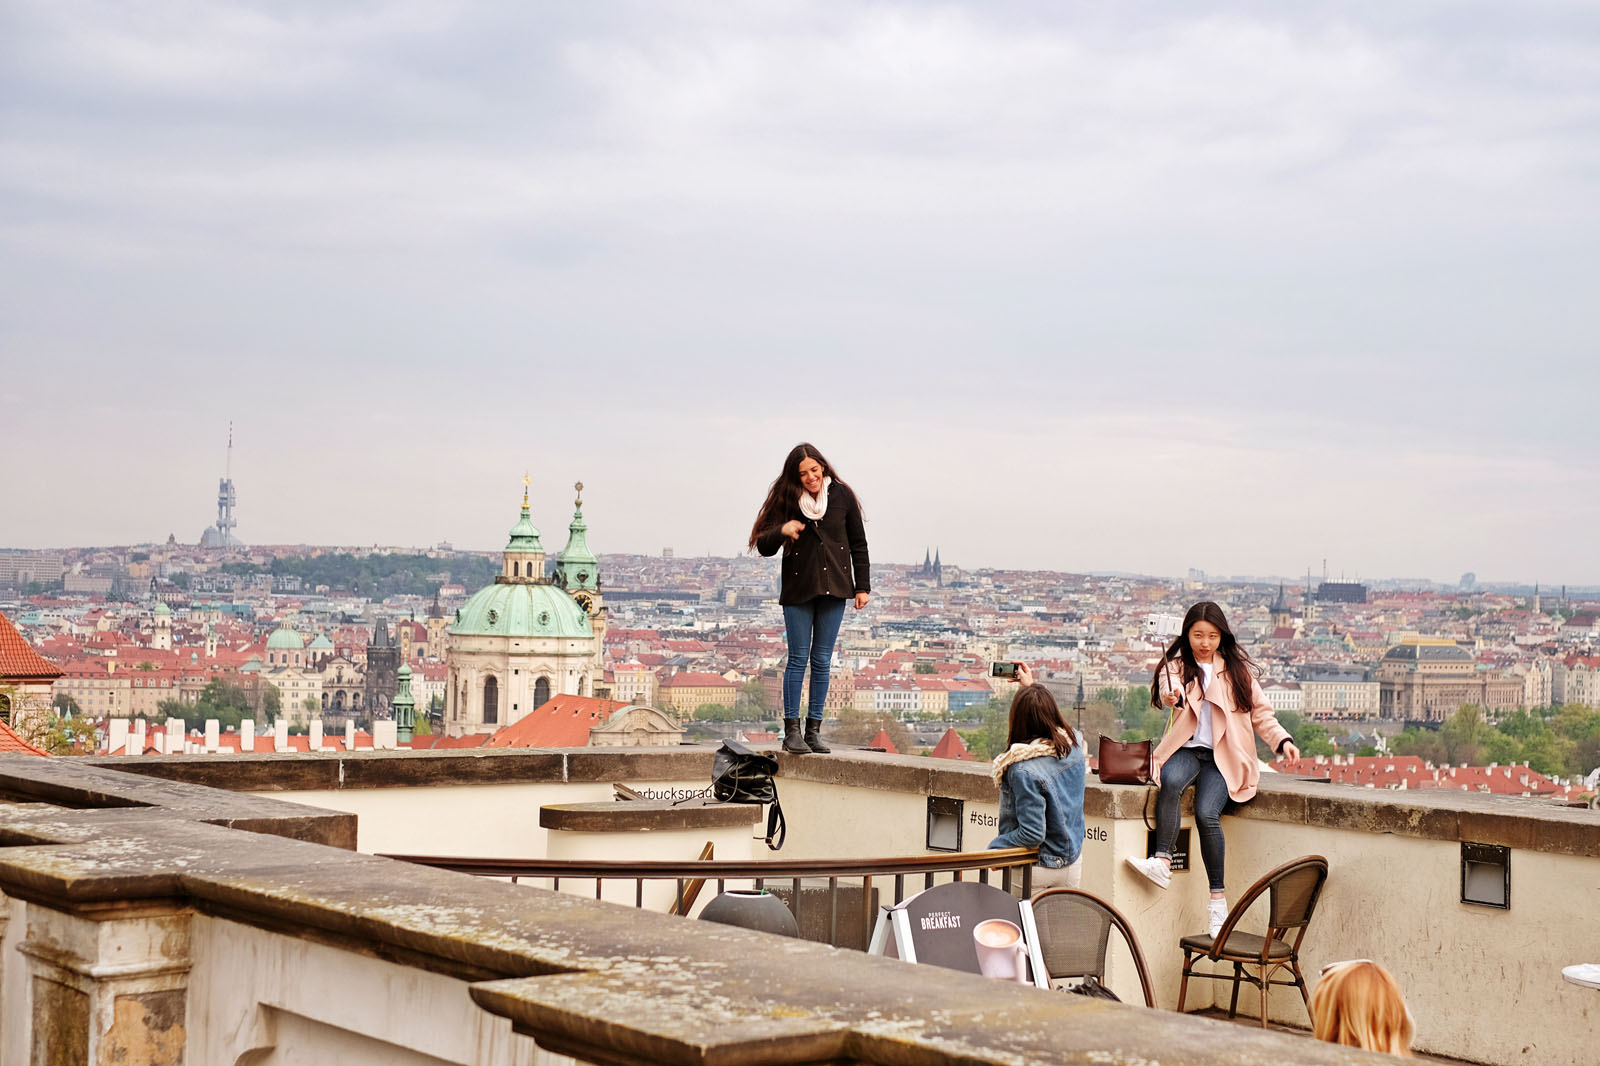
x=1035 y=716
x=1236 y=662
x=783 y=496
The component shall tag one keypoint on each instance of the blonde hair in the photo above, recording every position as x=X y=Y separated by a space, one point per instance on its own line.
x=1358 y=1004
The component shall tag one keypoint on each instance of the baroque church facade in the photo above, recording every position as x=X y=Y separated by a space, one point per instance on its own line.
x=533 y=634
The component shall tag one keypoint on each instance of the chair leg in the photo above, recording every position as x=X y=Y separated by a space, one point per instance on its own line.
x=1233 y=1004
x=1183 y=989
x=1300 y=983
x=1266 y=984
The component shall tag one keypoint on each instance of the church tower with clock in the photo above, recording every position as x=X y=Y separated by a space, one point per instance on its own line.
x=578 y=571
x=527 y=637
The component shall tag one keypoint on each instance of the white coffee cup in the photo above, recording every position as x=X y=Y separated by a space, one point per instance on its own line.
x=1001 y=951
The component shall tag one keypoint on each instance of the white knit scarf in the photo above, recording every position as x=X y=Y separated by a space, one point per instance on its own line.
x=814 y=507
x=1034 y=749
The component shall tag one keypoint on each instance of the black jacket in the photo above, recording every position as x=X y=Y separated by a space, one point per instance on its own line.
x=821 y=562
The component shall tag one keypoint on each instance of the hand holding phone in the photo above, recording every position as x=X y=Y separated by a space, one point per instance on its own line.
x=1006 y=670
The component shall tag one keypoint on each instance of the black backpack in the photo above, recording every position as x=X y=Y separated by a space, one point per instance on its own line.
x=739 y=775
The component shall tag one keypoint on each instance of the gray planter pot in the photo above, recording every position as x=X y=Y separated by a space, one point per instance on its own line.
x=761 y=911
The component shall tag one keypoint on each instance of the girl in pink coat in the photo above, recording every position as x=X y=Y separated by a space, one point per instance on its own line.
x=1219 y=708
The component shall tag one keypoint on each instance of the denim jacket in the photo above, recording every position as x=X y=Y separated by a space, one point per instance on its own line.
x=1041 y=805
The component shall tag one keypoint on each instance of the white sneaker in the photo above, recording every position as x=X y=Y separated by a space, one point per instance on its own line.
x=1153 y=868
x=1218 y=911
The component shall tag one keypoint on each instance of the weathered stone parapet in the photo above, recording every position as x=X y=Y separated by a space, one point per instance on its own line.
x=108 y=985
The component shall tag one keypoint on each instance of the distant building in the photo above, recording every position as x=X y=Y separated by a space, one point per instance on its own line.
x=520 y=641
x=1341 y=592
x=1339 y=691
x=1422 y=680
x=21 y=568
x=1576 y=679
x=686 y=691
x=1284 y=696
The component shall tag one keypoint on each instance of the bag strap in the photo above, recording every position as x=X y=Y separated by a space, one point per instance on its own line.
x=776 y=824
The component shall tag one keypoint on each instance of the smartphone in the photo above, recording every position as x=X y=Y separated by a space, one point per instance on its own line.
x=1003 y=669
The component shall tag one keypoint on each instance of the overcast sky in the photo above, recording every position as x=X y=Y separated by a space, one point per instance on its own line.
x=1058 y=285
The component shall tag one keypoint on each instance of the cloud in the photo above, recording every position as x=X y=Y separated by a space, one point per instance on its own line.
x=1341 y=256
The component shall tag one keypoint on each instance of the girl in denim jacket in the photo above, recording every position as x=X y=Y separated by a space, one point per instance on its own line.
x=1041 y=777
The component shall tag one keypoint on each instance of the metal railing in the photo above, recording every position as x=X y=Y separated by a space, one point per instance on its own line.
x=844 y=878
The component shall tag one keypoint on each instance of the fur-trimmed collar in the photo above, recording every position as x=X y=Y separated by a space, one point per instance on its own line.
x=1034 y=749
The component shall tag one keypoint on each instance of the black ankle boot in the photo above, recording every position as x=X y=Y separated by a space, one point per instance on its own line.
x=814 y=737
x=791 y=738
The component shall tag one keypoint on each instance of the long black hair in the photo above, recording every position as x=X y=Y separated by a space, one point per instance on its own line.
x=1236 y=662
x=1035 y=716
x=784 y=494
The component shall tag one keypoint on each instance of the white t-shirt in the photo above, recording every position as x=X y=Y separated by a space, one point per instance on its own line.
x=1203 y=737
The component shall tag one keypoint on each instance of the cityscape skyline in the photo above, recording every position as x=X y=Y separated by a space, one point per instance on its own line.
x=1034 y=277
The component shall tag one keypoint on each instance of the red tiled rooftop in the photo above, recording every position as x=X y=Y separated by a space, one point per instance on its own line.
x=562 y=722
x=13 y=744
x=18 y=660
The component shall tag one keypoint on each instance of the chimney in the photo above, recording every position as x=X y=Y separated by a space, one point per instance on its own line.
x=211 y=736
x=176 y=728
x=280 y=735
x=117 y=735
x=247 y=736
x=316 y=734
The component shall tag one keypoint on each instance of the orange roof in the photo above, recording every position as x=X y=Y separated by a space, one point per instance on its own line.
x=436 y=741
x=18 y=660
x=951 y=746
x=562 y=722
x=11 y=743
x=882 y=741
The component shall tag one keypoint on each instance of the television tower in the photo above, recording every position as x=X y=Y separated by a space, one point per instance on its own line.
x=226 y=499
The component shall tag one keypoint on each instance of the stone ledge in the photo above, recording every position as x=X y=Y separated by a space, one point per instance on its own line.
x=1434 y=814
x=84 y=784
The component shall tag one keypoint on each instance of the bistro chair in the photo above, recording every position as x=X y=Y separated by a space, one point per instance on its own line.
x=1292 y=890
x=1074 y=933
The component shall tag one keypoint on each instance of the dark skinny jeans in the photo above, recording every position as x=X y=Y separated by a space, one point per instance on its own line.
x=1196 y=766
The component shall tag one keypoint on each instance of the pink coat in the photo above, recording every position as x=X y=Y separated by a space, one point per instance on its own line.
x=1233 y=741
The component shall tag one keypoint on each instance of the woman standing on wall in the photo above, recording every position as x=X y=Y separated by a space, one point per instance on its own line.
x=1041 y=775
x=1219 y=708
x=814 y=517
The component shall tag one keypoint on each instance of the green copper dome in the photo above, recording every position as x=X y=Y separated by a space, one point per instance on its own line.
x=162 y=608
x=524 y=537
x=522 y=610
x=321 y=643
x=285 y=639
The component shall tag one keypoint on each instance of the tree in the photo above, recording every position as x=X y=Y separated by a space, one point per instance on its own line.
x=716 y=712
x=859 y=727
x=753 y=697
x=1421 y=743
x=65 y=704
x=989 y=739
x=221 y=699
x=1313 y=739
x=59 y=734
x=925 y=668
x=422 y=727
x=1463 y=735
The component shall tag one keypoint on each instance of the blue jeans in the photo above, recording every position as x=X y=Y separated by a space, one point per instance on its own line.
x=811 y=629
x=1196 y=766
